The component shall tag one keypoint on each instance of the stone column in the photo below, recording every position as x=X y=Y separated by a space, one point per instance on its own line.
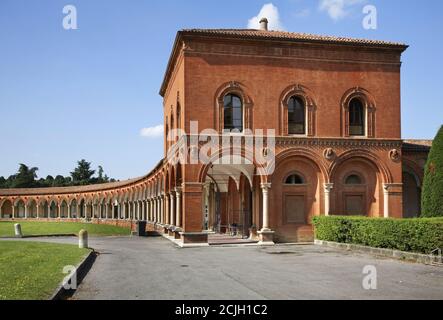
x=328 y=189
x=138 y=210
x=265 y=191
x=49 y=211
x=172 y=209
x=266 y=234
x=155 y=210
x=386 y=188
x=178 y=218
x=162 y=209
x=37 y=208
x=13 y=211
x=26 y=211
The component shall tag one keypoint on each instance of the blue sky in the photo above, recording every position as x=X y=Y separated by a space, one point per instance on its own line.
x=87 y=93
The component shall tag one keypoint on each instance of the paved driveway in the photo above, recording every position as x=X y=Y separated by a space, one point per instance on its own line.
x=153 y=268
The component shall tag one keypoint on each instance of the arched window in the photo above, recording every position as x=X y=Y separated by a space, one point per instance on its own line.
x=179 y=121
x=356 y=118
x=233 y=113
x=296 y=116
x=294 y=179
x=353 y=179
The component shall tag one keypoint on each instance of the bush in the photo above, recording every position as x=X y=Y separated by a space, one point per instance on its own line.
x=432 y=196
x=421 y=235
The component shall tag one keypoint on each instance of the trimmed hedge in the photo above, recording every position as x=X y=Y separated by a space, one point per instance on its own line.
x=421 y=235
x=432 y=195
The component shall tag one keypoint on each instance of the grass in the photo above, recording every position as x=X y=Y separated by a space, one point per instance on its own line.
x=32 y=271
x=32 y=228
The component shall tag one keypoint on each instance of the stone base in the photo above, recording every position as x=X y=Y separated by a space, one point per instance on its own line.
x=166 y=229
x=266 y=238
x=194 y=239
x=171 y=232
x=177 y=232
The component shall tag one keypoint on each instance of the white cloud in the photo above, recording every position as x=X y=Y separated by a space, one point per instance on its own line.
x=338 y=9
x=152 y=132
x=270 y=12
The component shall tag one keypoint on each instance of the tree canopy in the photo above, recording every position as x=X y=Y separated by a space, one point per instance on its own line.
x=26 y=177
x=432 y=195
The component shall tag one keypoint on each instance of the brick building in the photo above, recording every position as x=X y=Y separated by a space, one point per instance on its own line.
x=334 y=105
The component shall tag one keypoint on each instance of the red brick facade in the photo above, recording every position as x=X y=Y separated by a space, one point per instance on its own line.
x=335 y=172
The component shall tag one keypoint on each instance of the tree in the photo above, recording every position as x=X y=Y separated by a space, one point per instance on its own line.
x=3 y=183
x=82 y=174
x=432 y=195
x=25 y=177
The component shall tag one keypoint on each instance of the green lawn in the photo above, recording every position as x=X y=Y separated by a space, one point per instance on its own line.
x=32 y=271
x=30 y=228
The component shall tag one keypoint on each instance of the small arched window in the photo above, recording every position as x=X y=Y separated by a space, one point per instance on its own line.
x=179 y=122
x=233 y=113
x=353 y=179
x=294 y=179
x=356 y=118
x=296 y=116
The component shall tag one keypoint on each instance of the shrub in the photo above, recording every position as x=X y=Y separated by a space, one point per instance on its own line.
x=432 y=196
x=421 y=235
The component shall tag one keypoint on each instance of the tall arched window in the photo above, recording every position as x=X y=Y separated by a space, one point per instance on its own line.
x=233 y=113
x=356 y=118
x=179 y=122
x=296 y=116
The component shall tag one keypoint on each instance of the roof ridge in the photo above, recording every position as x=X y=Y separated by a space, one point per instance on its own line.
x=291 y=35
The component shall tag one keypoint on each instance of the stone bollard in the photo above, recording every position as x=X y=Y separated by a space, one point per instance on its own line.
x=18 y=230
x=83 y=239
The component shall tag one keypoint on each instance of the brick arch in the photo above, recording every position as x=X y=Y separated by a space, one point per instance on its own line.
x=308 y=98
x=314 y=158
x=369 y=105
x=365 y=155
x=295 y=205
x=245 y=154
x=365 y=198
x=239 y=89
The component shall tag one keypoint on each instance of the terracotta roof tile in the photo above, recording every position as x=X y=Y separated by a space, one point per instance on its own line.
x=417 y=145
x=284 y=35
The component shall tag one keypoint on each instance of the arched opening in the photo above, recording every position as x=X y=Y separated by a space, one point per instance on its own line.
x=32 y=209
x=228 y=198
x=53 y=212
x=64 y=210
x=296 y=116
x=74 y=213
x=6 y=210
x=82 y=209
x=233 y=113
x=356 y=117
x=44 y=209
x=20 y=209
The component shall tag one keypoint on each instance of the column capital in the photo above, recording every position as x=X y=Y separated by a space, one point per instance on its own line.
x=266 y=186
x=328 y=187
x=178 y=190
